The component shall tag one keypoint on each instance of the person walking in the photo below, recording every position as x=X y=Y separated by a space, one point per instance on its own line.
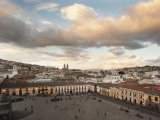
x=32 y=108
x=83 y=111
x=55 y=106
x=98 y=113
x=105 y=114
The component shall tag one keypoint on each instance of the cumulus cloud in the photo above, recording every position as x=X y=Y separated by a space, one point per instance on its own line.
x=140 y=24
x=78 y=12
x=50 y=7
x=7 y=8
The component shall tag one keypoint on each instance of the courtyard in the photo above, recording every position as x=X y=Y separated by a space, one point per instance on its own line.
x=78 y=107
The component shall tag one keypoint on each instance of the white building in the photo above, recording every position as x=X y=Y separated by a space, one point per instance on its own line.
x=151 y=78
x=133 y=76
x=39 y=80
x=1 y=79
x=114 y=78
x=90 y=79
x=9 y=73
x=151 y=74
x=48 y=75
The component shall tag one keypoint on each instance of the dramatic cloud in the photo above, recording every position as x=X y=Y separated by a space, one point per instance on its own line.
x=140 y=24
x=117 y=51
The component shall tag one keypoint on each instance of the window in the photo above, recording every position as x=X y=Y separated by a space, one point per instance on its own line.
x=33 y=91
x=156 y=98
x=13 y=93
x=26 y=89
x=149 y=97
x=7 y=91
x=51 y=90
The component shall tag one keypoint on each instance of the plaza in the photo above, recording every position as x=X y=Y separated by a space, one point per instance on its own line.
x=77 y=107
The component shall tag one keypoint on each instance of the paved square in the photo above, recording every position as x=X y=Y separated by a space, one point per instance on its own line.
x=77 y=108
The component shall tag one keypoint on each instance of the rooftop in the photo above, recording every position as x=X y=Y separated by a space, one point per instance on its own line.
x=23 y=85
x=147 y=88
x=106 y=85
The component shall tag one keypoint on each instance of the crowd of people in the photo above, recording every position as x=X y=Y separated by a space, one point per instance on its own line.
x=82 y=99
x=60 y=103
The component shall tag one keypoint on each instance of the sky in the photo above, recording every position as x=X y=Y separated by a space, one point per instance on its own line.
x=86 y=34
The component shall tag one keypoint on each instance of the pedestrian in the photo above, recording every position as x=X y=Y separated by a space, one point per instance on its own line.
x=150 y=118
x=55 y=106
x=76 y=117
x=105 y=114
x=98 y=113
x=46 y=101
x=31 y=108
x=83 y=111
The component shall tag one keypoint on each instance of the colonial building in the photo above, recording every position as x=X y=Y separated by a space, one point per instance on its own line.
x=131 y=92
x=45 y=88
x=128 y=95
x=137 y=94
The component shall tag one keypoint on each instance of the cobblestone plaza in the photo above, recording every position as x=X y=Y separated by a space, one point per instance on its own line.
x=77 y=107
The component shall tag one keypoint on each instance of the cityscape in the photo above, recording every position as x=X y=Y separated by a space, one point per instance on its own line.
x=79 y=60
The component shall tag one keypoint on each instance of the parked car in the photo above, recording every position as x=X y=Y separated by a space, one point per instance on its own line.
x=16 y=99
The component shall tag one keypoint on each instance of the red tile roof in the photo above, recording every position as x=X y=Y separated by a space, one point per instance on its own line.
x=147 y=88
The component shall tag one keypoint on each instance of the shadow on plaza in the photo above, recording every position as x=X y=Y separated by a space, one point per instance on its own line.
x=16 y=115
x=6 y=111
x=155 y=112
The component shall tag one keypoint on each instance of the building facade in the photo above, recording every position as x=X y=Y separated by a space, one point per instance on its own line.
x=142 y=98
x=47 y=89
x=131 y=95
